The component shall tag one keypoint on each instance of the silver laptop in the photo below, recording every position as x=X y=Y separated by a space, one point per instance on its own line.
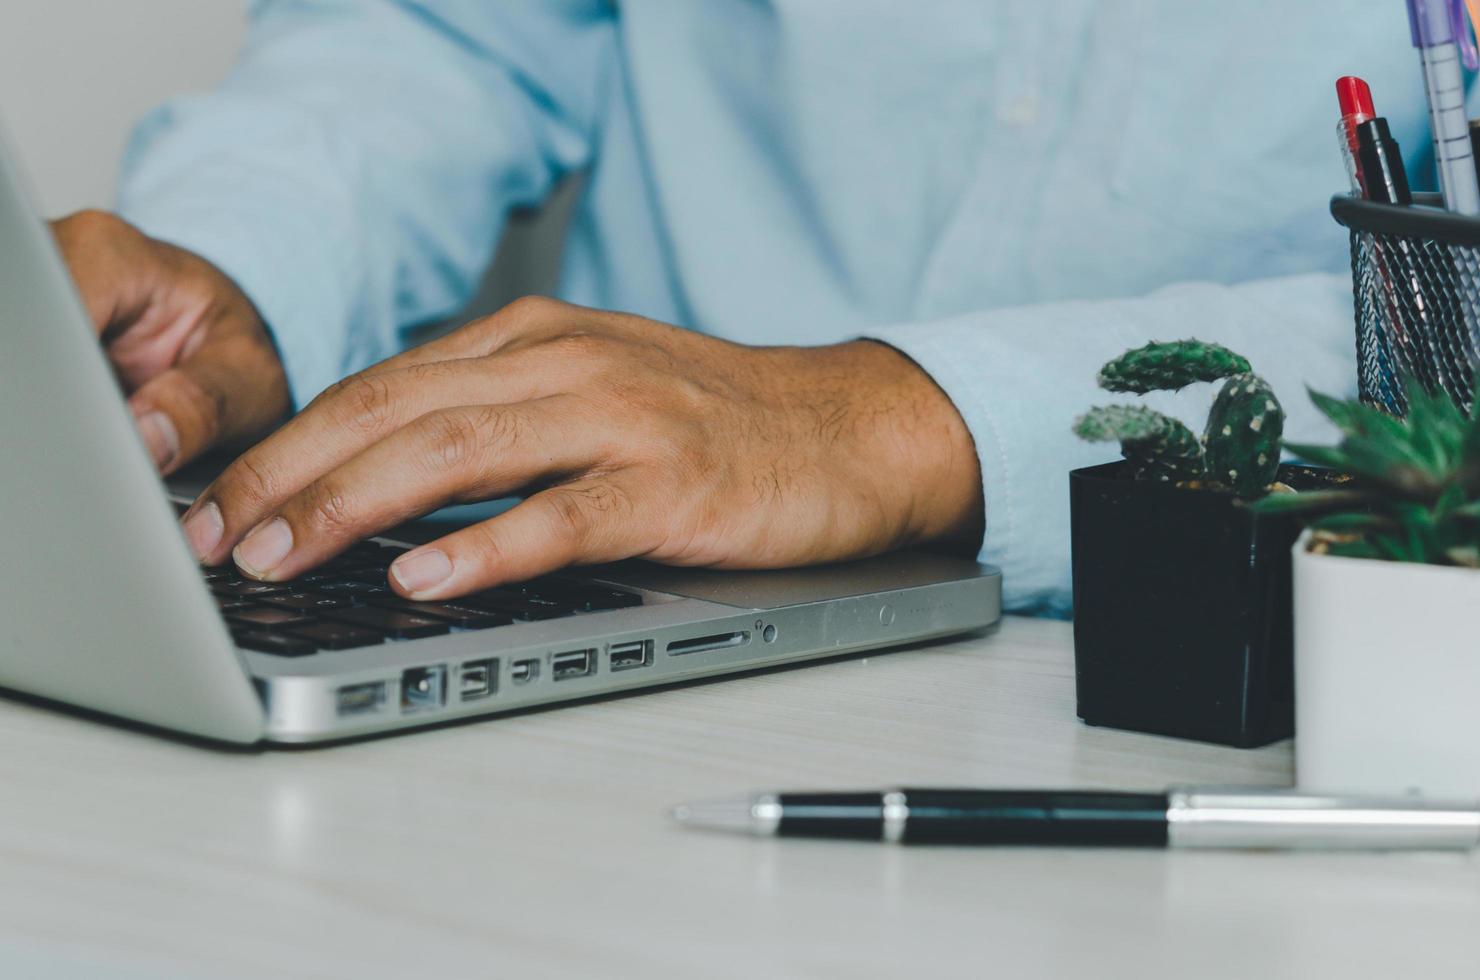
x=103 y=607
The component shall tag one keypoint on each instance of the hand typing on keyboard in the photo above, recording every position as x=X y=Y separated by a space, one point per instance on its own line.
x=635 y=438
x=186 y=343
x=346 y=604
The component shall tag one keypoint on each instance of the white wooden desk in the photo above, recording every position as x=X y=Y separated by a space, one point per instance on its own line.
x=537 y=846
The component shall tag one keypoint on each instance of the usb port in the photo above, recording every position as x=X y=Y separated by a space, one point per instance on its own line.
x=477 y=679
x=358 y=699
x=578 y=663
x=638 y=653
x=524 y=671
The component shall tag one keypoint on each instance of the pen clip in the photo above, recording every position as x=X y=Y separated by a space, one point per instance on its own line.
x=1464 y=36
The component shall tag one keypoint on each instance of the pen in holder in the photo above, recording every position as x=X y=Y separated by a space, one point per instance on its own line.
x=1416 y=285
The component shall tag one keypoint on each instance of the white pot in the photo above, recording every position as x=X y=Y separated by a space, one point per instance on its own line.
x=1387 y=676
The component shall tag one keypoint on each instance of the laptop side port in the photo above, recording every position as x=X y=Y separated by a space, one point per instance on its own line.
x=423 y=688
x=359 y=699
x=524 y=671
x=576 y=663
x=705 y=644
x=477 y=679
x=626 y=656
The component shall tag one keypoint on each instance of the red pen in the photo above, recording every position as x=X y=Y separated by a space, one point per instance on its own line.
x=1356 y=108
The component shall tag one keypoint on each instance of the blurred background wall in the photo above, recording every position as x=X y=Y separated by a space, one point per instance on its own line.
x=76 y=74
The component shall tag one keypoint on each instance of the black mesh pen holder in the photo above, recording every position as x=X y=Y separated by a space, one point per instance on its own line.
x=1416 y=282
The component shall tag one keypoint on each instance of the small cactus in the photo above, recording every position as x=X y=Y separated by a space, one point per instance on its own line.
x=1158 y=447
x=1240 y=449
x=1170 y=366
x=1242 y=440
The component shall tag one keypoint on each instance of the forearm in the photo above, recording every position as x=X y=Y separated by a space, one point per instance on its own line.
x=353 y=172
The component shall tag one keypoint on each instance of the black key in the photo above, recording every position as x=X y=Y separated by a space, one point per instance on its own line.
x=267 y=617
x=245 y=588
x=373 y=576
x=305 y=601
x=541 y=586
x=376 y=550
x=597 y=599
x=579 y=595
x=221 y=573
x=357 y=592
x=463 y=618
x=613 y=599
x=283 y=646
x=523 y=608
x=319 y=575
x=337 y=636
x=348 y=563
x=232 y=605
x=392 y=622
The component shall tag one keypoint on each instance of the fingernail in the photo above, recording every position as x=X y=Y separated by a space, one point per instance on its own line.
x=421 y=570
x=160 y=437
x=264 y=548
x=203 y=530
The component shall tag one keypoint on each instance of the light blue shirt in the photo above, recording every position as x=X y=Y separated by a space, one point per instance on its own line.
x=1009 y=191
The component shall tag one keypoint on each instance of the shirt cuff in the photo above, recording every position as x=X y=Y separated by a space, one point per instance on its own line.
x=992 y=405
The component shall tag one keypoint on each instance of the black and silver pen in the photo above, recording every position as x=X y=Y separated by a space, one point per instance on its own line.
x=1193 y=818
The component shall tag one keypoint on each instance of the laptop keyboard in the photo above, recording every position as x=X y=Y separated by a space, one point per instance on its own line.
x=347 y=604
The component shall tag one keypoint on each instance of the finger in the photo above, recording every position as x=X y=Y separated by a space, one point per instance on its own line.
x=211 y=398
x=527 y=320
x=113 y=273
x=352 y=416
x=581 y=523
x=460 y=454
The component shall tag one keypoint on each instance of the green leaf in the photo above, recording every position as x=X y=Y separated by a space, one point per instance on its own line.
x=1391 y=548
x=1355 y=417
x=1435 y=427
x=1310 y=501
x=1332 y=456
x=1449 y=501
x=1348 y=523
x=1345 y=415
x=1358 y=548
x=1469 y=511
x=1468 y=469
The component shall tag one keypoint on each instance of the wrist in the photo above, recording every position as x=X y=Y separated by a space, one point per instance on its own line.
x=917 y=441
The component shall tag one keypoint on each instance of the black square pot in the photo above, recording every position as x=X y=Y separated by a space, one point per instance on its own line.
x=1182 y=608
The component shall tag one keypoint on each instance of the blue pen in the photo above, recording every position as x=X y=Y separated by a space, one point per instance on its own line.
x=1439 y=33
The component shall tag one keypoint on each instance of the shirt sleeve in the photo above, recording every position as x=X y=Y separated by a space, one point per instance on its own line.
x=353 y=171
x=1020 y=377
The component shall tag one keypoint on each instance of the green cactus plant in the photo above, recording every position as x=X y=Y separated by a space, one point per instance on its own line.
x=1243 y=435
x=1240 y=447
x=1170 y=366
x=1158 y=447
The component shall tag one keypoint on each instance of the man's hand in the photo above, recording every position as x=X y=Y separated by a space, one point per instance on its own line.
x=635 y=439
x=188 y=346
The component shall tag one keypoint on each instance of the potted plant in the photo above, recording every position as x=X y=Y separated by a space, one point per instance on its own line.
x=1387 y=602
x=1182 y=620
